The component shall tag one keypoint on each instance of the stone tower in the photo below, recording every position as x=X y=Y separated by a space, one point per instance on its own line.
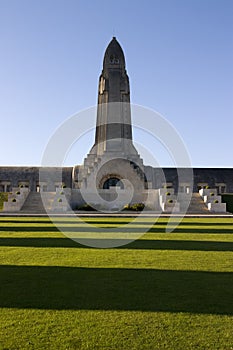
x=113 y=156
x=113 y=116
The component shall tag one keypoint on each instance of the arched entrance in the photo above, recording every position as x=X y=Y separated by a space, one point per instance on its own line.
x=113 y=182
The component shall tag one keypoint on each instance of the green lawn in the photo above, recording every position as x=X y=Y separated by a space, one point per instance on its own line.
x=165 y=291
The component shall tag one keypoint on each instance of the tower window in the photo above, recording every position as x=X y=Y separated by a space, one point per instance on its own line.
x=114 y=59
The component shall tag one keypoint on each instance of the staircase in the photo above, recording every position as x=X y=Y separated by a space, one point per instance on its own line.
x=197 y=205
x=34 y=204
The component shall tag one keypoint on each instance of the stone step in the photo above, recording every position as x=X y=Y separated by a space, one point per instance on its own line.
x=34 y=203
x=197 y=205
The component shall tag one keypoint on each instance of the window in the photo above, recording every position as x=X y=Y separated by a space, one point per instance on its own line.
x=114 y=59
x=221 y=188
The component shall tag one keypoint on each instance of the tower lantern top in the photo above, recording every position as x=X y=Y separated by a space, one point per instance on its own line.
x=114 y=56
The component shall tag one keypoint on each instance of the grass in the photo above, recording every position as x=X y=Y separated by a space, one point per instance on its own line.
x=165 y=291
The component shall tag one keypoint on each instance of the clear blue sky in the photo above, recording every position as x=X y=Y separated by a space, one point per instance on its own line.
x=179 y=56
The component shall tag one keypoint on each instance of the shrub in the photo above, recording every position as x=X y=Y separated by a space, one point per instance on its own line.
x=86 y=207
x=3 y=198
x=138 y=206
x=134 y=207
x=212 y=194
x=61 y=192
x=216 y=201
x=170 y=201
x=168 y=193
x=228 y=199
x=59 y=200
x=63 y=186
x=206 y=187
x=18 y=192
x=13 y=200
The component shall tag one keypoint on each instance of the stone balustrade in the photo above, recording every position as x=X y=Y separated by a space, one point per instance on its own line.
x=16 y=199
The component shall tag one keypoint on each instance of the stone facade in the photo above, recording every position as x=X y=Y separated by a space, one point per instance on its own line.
x=219 y=178
x=113 y=164
x=29 y=177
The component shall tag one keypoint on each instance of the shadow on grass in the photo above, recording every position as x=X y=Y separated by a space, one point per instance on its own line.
x=115 y=289
x=25 y=228
x=195 y=229
x=125 y=228
x=138 y=244
x=115 y=221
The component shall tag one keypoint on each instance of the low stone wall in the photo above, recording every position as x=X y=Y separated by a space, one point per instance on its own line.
x=112 y=198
